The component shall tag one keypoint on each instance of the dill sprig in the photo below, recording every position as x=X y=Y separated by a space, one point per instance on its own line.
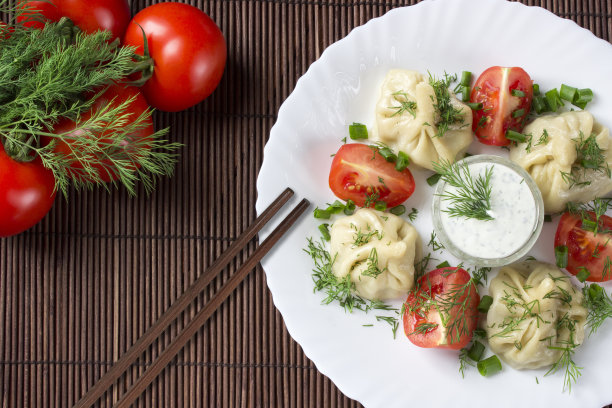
x=598 y=305
x=472 y=198
x=591 y=213
x=448 y=114
x=566 y=364
x=59 y=72
x=405 y=105
x=589 y=156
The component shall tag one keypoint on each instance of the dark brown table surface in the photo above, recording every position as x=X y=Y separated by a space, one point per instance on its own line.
x=78 y=289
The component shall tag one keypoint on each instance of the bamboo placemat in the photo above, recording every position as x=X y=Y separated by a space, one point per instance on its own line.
x=78 y=289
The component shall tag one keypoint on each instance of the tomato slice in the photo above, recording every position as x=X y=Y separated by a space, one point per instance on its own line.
x=505 y=94
x=586 y=249
x=359 y=172
x=442 y=310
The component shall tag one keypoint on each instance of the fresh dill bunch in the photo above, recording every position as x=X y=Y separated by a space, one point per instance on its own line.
x=448 y=114
x=598 y=305
x=59 y=72
x=472 y=198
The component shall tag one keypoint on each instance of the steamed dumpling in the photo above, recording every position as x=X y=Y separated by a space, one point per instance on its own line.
x=554 y=151
x=378 y=250
x=535 y=307
x=413 y=129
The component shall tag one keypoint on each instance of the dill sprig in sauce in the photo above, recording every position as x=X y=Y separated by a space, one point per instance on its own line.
x=472 y=198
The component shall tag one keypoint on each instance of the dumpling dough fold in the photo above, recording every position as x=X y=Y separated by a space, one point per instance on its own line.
x=547 y=161
x=378 y=250
x=535 y=308
x=414 y=131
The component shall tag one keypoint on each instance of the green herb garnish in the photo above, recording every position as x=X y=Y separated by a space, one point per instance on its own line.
x=472 y=198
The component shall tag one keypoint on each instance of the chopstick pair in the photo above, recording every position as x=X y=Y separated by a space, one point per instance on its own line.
x=173 y=312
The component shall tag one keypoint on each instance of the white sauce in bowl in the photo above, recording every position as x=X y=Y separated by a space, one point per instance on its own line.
x=513 y=210
x=517 y=211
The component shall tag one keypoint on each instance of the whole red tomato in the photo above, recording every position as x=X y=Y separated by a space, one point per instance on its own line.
x=189 y=53
x=32 y=10
x=114 y=95
x=26 y=194
x=93 y=15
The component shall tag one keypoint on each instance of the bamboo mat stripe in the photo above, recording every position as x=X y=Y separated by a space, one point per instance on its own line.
x=78 y=289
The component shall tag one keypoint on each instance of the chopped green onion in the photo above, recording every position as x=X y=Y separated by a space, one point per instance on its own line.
x=583 y=274
x=515 y=136
x=518 y=113
x=465 y=93
x=547 y=218
x=467 y=155
x=335 y=207
x=349 y=208
x=568 y=93
x=583 y=96
x=387 y=154
x=322 y=214
x=380 y=206
x=398 y=210
x=433 y=179
x=475 y=106
x=539 y=104
x=489 y=366
x=476 y=351
x=358 y=131
x=554 y=100
x=536 y=89
x=482 y=333
x=403 y=160
x=466 y=78
x=561 y=254
x=589 y=225
x=444 y=264
x=517 y=92
x=485 y=303
x=325 y=231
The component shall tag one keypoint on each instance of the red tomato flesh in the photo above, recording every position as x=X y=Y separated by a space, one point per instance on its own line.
x=27 y=192
x=452 y=290
x=501 y=108
x=358 y=171
x=585 y=249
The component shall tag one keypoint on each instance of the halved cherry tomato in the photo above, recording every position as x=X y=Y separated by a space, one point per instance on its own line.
x=359 y=173
x=586 y=249
x=505 y=94
x=441 y=311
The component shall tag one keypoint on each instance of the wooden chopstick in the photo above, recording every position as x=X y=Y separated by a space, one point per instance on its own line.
x=130 y=356
x=202 y=316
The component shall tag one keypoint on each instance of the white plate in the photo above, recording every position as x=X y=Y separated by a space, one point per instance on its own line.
x=366 y=363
